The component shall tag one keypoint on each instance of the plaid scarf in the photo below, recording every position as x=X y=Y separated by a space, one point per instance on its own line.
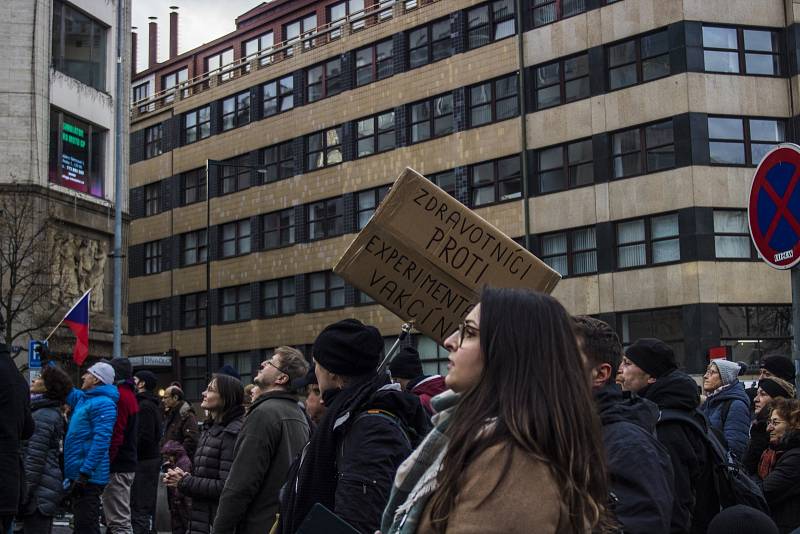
x=416 y=480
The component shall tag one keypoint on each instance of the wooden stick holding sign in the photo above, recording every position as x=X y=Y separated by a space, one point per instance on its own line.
x=426 y=257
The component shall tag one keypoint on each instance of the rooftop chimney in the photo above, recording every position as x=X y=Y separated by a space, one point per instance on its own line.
x=152 y=50
x=173 y=32
x=134 y=57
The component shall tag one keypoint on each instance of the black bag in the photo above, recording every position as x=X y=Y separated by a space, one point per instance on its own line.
x=731 y=482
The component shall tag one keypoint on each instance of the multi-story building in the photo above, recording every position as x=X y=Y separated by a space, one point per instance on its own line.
x=57 y=163
x=644 y=120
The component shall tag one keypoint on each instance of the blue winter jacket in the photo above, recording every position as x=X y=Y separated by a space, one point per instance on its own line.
x=737 y=423
x=91 y=425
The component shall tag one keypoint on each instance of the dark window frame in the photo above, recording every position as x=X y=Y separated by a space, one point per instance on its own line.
x=328 y=85
x=496 y=182
x=193 y=185
x=283 y=97
x=325 y=150
x=199 y=249
x=492 y=23
x=753 y=254
x=558 y=11
x=375 y=64
x=377 y=195
x=746 y=140
x=194 y=376
x=647 y=242
x=431 y=45
x=328 y=223
x=152 y=199
x=278 y=161
x=200 y=127
x=562 y=82
x=236 y=180
x=377 y=134
x=153 y=140
x=152 y=257
x=494 y=102
x=241 y=301
x=643 y=150
x=242 y=240
x=98 y=32
x=431 y=119
x=742 y=52
x=194 y=310
x=571 y=252
x=566 y=167
x=236 y=117
x=281 y=297
x=437 y=177
x=220 y=56
x=638 y=60
x=279 y=230
x=152 y=316
x=327 y=291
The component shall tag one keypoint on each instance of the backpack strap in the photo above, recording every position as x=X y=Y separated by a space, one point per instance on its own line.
x=374 y=412
x=723 y=413
x=667 y=415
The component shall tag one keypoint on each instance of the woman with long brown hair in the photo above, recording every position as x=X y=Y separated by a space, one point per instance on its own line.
x=517 y=445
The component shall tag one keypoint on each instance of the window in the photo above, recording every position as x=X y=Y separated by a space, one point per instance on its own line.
x=638 y=60
x=337 y=13
x=737 y=141
x=193 y=185
x=141 y=92
x=151 y=198
x=244 y=362
x=278 y=161
x=293 y=31
x=193 y=310
x=152 y=140
x=490 y=22
x=565 y=166
x=217 y=62
x=755 y=331
x=326 y=218
x=277 y=297
x=193 y=376
x=446 y=181
x=434 y=357
x=367 y=203
x=324 y=148
x=571 y=253
x=236 y=111
x=194 y=247
x=739 y=50
x=732 y=235
x=170 y=81
x=76 y=154
x=197 y=124
x=375 y=134
x=324 y=80
x=432 y=118
x=493 y=101
x=648 y=241
x=279 y=229
x=325 y=290
x=235 y=305
x=152 y=257
x=429 y=43
x=235 y=174
x=254 y=46
x=278 y=96
x=374 y=62
x=495 y=181
x=643 y=149
x=236 y=238
x=549 y=11
x=665 y=324
x=79 y=45
x=152 y=317
x=562 y=81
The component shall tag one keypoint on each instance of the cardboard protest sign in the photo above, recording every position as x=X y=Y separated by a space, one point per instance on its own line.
x=425 y=256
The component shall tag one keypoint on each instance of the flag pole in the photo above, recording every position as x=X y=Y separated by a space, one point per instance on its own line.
x=66 y=314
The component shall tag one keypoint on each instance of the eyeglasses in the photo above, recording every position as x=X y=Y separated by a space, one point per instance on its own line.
x=712 y=371
x=462 y=330
x=775 y=422
x=269 y=362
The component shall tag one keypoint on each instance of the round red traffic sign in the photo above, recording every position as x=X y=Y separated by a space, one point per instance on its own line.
x=774 y=207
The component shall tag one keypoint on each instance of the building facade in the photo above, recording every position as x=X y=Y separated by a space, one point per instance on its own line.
x=59 y=78
x=643 y=123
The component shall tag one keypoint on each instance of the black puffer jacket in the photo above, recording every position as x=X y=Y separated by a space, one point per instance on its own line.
x=210 y=468
x=695 y=502
x=42 y=467
x=759 y=441
x=149 y=426
x=782 y=485
x=16 y=425
x=639 y=467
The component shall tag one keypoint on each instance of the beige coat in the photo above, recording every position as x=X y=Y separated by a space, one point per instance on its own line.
x=525 y=501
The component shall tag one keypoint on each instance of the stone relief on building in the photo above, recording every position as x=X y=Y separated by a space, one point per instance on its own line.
x=79 y=264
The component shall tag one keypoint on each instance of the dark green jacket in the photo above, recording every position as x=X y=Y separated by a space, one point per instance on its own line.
x=274 y=432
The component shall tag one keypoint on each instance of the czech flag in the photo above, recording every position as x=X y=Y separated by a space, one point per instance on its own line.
x=77 y=319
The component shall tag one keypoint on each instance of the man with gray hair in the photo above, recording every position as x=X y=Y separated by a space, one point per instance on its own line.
x=274 y=432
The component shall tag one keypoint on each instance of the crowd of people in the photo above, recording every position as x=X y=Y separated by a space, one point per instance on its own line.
x=543 y=423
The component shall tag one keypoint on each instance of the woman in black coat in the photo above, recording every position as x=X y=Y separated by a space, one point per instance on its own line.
x=43 y=473
x=779 y=469
x=768 y=389
x=223 y=399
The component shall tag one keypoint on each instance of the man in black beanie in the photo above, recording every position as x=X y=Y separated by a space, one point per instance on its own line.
x=145 y=483
x=777 y=365
x=406 y=369
x=370 y=426
x=649 y=370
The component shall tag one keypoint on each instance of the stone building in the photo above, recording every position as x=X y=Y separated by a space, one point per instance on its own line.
x=57 y=86
x=644 y=120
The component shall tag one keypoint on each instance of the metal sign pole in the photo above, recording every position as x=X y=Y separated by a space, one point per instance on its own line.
x=796 y=318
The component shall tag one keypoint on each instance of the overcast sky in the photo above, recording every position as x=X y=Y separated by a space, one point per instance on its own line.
x=199 y=21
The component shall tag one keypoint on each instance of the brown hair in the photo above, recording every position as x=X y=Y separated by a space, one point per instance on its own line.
x=535 y=384
x=293 y=363
x=599 y=342
x=789 y=410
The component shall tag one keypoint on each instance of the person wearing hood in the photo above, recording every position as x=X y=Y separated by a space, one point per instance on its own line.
x=273 y=434
x=779 y=469
x=145 y=483
x=649 y=370
x=639 y=467
x=406 y=369
x=370 y=426
x=727 y=406
x=180 y=506
x=42 y=465
x=87 y=461
x=768 y=390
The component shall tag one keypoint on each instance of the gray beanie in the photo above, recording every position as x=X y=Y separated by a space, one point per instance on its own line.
x=728 y=371
x=103 y=372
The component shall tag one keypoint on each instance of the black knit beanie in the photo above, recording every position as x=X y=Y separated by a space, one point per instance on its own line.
x=406 y=364
x=776 y=387
x=349 y=348
x=779 y=366
x=123 y=370
x=149 y=379
x=741 y=519
x=652 y=356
